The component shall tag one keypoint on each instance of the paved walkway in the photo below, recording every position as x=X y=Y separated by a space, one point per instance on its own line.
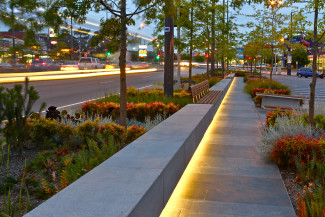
x=227 y=177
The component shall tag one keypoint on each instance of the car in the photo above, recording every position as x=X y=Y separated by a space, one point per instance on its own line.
x=139 y=65
x=69 y=65
x=186 y=63
x=5 y=65
x=43 y=64
x=308 y=72
x=90 y=63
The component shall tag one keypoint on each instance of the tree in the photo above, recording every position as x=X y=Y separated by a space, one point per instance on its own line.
x=316 y=5
x=300 y=55
x=14 y=18
x=118 y=10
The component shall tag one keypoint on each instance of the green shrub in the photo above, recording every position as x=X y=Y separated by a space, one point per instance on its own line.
x=6 y=184
x=43 y=131
x=214 y=81
x=264 y=83
x=137 y=111
x=272 y=116
x=199 y=58
x=148 y=96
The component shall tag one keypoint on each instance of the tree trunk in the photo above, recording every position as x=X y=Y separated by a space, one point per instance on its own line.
x=270 y=84
x=191 y=49
x=213 y=39
x=223 y=48
x=13 y=35
x=71 y=38
x=208 y=65
x=314 y=79
x=272 y=62
x=122 y=63
x=217 y=64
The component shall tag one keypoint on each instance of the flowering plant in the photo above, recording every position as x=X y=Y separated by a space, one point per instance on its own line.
x=273 y=91
x=287 y=149
x=134 y=132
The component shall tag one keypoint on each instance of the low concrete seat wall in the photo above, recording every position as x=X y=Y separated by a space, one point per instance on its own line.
x=138 y=180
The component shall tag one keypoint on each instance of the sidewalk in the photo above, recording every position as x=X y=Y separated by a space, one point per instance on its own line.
x=227 y=176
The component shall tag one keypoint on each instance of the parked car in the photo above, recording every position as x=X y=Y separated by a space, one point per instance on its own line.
x=5 y=65
x=308 y=72
x=43 y=64
x=90 y=63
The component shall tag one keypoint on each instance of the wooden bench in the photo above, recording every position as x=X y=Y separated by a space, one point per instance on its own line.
x=201 y=94
x=272 y=101
x=199 y=90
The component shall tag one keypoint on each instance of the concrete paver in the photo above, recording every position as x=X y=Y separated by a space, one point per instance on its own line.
x=227 y=175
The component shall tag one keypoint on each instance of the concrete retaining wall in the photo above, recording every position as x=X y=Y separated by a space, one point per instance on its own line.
x=138 y=180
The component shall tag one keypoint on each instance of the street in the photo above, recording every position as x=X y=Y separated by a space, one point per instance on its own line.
x=71 y=93
x=68 y=92
x=300 y=86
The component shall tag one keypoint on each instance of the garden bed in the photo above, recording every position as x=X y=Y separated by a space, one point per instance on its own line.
x=54 y=155
x=299 y=150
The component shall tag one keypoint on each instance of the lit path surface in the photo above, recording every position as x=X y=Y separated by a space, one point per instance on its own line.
x=59 y=75
x=227 y=176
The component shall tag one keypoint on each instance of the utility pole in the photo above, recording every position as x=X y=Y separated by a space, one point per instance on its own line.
x=169 y=51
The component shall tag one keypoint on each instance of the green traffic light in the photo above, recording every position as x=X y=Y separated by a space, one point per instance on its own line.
x=157 y=57
x=108 y=53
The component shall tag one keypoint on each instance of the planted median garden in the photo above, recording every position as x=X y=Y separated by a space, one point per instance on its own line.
x=298 y=148
x=41 y=156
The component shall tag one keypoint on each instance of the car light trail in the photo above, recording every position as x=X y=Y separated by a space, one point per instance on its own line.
x=64 y=75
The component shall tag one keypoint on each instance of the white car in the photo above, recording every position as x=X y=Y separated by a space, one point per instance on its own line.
x=90 y=63
x=187 y=63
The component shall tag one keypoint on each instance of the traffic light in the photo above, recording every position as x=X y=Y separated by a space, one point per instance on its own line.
x=207 y=56
x=249 y=58
x=158 y=56
x=108 y=53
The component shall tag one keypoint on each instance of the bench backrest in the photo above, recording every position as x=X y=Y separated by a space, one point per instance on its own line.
x=199 y=88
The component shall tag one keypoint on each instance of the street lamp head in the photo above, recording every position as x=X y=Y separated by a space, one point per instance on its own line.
x=280 y=2
x=272 y=2
x=282 y=40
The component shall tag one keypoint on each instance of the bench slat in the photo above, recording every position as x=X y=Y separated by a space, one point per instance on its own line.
x=210 y=98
